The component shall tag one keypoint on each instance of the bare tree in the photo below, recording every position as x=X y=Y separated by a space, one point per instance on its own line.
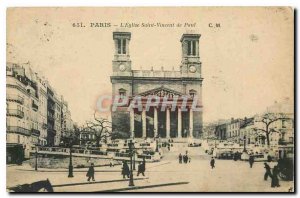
x=101 y=128
x=267 y=120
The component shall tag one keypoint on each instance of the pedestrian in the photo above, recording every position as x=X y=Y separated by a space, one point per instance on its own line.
x=91 y=173
x=180 y=158
x=185 y=159
x=125 y=170
x=251 y=160
x=268 y=172
x=275 y=180
x=189 y=159
x=141 y=168
x=111 y=163
x=212 y=163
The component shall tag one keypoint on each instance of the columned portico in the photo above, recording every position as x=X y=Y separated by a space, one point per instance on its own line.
x=166 y=133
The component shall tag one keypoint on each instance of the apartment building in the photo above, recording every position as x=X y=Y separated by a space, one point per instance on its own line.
x=33 y=112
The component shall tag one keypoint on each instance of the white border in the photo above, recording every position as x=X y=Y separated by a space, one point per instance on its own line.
x=87 y=3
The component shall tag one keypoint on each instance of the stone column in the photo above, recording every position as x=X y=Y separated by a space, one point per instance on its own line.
x=132 y=122
x=168 y=123
x=144 y=123
x=179 y=124
x=191 y=123
x=155 y=122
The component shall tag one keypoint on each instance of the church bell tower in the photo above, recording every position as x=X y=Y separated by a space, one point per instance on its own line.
x=121 y=62
x=190 y=64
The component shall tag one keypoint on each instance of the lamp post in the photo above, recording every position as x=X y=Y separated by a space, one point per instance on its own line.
x=133 y=153
x=157 y=149
x=36 y=158
x=131 y=163
x=70 y=162
x=244 y=143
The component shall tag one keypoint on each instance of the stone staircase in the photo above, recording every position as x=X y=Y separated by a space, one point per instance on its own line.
x=193 y=152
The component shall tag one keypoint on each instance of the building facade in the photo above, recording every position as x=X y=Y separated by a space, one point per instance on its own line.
x=281 y=131
x=166 y=85
x=67 y=125
x=31 y=104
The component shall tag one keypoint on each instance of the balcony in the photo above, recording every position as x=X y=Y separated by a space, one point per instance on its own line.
x=15 y=98
x=35 y=107
x=19 y=130
x=15 y=112
x=35 y=132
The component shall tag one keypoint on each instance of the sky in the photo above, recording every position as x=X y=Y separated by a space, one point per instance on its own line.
x=247 y=63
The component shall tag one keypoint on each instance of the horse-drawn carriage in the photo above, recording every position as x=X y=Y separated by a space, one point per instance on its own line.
x=286 y=169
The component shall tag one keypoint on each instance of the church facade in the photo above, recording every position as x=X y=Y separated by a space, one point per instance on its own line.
x=183 y=84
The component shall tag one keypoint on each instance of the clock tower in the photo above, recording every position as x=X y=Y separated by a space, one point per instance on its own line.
x=190 y=63
x=121 y=62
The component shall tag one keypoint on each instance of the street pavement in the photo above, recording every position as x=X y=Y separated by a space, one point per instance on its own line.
x=165 y=176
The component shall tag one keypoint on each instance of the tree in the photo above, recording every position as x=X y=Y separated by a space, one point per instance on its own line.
x=72 y=135
x=267 y=120
x=101 y=128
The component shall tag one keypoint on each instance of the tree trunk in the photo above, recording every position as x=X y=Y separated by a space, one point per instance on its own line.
x=268 y=136
x=268 y=139
x=97 y=141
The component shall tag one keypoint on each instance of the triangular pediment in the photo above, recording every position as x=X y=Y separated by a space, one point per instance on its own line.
x=161 y=92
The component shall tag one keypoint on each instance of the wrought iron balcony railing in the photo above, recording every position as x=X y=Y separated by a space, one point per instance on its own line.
x=15 y=98
x=19 y=130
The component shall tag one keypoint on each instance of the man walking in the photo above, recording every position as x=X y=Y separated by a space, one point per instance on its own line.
x=141 y=168
x=180 y=158
x=212 y=163
x=91 y=173
x=268 y=172
x=125 y=170
x=251 y=161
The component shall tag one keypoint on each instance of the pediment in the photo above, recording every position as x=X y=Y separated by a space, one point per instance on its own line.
x=161 y=92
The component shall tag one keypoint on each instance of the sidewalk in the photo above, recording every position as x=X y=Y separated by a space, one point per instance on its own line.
x=116 y=168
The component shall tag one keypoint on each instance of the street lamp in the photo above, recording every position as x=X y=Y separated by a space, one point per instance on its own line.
x=244 y=144
x=70 y=162
x=133 y=153
x=157 y=149
x=130 y=144
x=36 y=157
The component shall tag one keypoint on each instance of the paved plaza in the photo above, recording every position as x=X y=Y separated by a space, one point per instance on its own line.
x=165 y=176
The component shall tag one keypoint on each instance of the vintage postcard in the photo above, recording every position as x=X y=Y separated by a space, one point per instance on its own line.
x=150 y=99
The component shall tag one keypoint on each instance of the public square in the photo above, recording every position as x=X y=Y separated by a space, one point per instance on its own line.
x=164 y=176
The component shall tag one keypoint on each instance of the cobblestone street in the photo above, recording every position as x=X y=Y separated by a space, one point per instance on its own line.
x=165 y=176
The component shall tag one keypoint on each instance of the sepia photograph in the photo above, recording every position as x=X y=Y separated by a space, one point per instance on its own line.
x=150 y=99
